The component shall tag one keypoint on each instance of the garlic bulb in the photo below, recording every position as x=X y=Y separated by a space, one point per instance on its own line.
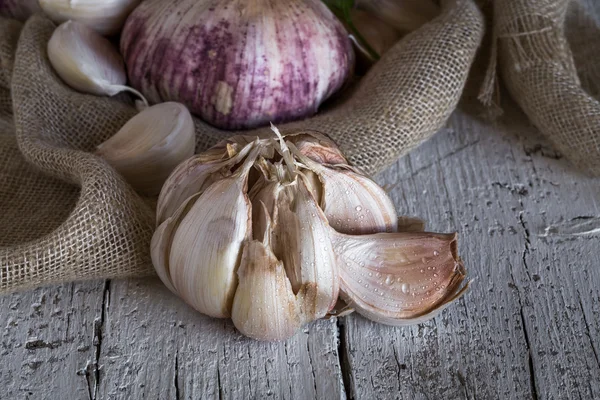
x=104 y=16
x=18 y=9
x=86 y=61
x=238 y=63
x=150 y=145
x=247 y=230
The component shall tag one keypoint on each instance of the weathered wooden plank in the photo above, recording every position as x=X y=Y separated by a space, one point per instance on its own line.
x=47 y=346
x=482 y=182
x=156 y=347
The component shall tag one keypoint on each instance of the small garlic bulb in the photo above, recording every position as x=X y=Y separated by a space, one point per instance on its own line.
x=249 y=230
x=104 y=16
x=86 y=61
x=150 y=145
x=237 y=64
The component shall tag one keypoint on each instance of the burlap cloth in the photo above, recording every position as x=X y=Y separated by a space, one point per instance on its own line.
x=66 y=215
x=546 y=52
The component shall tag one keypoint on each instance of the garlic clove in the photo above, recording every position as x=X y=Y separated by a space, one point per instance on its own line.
x=150 y=145
x=352 y=203
x=317 y=147
x=162 y=240
x=206 y=247
x=264 y=197
x=86 y=61
x=193 y=176
x=104 y=16
x=314 y=184
x=302 y=241
x=399 y=278
x=264 y=306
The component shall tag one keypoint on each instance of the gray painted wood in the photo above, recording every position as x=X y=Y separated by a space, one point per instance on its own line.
x=528 y=328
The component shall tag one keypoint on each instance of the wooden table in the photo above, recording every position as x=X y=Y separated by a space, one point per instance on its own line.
x=529 y=328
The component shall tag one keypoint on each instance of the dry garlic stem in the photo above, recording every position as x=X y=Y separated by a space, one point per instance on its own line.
x=150 y=145
x=87 y=62
x=104 y=16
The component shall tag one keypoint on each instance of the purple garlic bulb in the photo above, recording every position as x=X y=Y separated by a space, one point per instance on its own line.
x=237 y=63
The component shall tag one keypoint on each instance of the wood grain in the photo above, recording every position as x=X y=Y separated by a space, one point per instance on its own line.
x=528 y=328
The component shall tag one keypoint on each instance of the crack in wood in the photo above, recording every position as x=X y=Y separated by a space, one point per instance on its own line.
x=97 y=339
x=344 y=360
x=176 y=377
x=532 y=382
x=219 y=384
x=312 y=368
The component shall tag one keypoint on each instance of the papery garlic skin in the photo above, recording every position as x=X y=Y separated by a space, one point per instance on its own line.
x=206 y=247
x=238 y=63
x=104 y=16
x=193 y=176
x=150 y=145
x=86 y=61
x=264 y=307
x=19 y=9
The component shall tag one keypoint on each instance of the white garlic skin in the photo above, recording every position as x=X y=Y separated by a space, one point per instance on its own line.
x=238 y=63
x=104 y=16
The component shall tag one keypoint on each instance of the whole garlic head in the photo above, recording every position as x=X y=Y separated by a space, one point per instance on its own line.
x=247 y=230
x=237 y=63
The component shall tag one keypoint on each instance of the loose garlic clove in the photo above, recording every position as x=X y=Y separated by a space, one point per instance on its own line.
x=352 y=203
x=86 y=61
x=193 y=176
x=302 y=241
x=104 y=16
x=150 y=145
x=206 y=247
x=264 y=306
x=399 y=278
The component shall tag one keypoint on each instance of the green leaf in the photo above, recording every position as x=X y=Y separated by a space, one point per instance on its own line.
x=341 y=9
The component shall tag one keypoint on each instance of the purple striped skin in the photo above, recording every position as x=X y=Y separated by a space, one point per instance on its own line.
x=18 y=9
x=237 y=64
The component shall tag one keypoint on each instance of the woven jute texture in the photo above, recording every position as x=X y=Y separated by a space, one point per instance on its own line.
x=66 y=215
x=546 y=53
